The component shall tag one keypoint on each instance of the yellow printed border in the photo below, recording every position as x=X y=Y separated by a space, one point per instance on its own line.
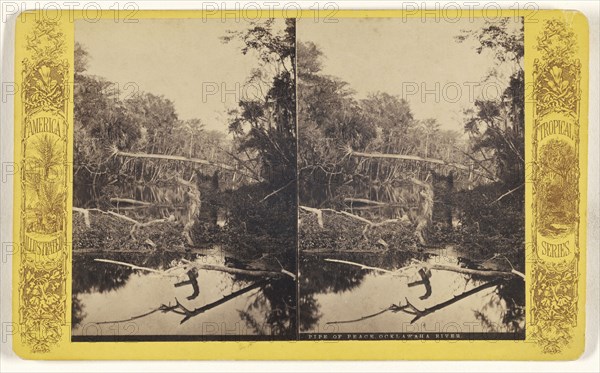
x=555 y=121
x=43 y=153
x=558 y=151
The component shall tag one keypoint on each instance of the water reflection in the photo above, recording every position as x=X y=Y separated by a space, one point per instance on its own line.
x=335 y=292
x=104 y=292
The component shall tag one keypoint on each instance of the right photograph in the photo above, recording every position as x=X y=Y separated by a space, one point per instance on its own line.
x=411 y=172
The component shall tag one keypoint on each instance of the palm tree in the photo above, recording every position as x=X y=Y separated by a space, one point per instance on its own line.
x=46 y=156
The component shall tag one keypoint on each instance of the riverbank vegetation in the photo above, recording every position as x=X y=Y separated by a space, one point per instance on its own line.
x=169 y=203
x=374 y=178
x=144 y=179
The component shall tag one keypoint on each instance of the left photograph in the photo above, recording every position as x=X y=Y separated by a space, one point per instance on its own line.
x=184 y=180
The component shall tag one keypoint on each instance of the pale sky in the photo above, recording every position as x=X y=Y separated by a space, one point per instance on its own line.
x=177 y=57
x=381 y=54
x=173 y=58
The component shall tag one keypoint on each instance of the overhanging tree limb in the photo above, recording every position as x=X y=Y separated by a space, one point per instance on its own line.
x=205 y=162
x=419 y=159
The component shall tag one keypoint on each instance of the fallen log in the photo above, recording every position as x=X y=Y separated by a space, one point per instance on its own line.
x=439 y=267
x=355 y=217
x=117 y=215
x=208 y=267
x=171 y=218
x=245 y=272
x=354 y=208
x=132 y=266
x=475 y=272
x=315 y=211
x=188 y=314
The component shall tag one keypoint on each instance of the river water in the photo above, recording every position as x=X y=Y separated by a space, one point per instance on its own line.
x=332 y=292
x=107 y=296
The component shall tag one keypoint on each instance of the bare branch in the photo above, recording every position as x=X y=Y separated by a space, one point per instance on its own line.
x=180 y=309
x=507 y=193
x=410 y=309
x=422 y=313
x=277 y=191
x=390 y=308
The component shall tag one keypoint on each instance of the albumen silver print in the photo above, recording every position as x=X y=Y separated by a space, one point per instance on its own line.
x=282 y=179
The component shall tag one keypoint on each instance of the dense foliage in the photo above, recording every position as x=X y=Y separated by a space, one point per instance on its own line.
x=134 y=155
x=334 y=122
x=479 y=206
x=110 y=120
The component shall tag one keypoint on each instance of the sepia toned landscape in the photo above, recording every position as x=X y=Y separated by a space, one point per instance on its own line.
x=411 y=197
x=185 y=202
x=284 y=179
